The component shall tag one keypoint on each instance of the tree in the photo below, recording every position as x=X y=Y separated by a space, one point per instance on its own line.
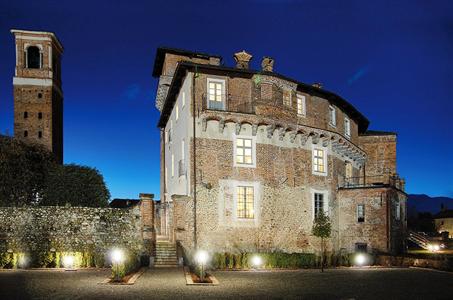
x=322 y=228
x=76 y=186
x=23 y=171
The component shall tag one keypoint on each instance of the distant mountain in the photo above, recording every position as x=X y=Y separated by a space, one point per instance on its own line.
x=425 y=203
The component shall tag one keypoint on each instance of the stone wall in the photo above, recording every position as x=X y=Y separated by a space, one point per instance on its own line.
x=70 y=229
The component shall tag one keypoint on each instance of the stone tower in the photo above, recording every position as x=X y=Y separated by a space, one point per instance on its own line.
x=38 y=97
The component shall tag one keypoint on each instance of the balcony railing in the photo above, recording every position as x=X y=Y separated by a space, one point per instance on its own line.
x=373 y=181
x=229 y=104
x=182 y=170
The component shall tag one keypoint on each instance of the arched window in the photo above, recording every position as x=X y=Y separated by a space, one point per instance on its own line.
x=33 y=57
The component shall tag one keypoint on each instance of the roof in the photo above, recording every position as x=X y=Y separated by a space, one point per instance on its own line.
x=184 y=66
x=377 y=132
x=160 y=57
x=445 y=214
x=57 y=41
x=123 y=203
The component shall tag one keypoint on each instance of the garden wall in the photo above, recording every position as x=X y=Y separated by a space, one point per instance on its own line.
x=40 y=232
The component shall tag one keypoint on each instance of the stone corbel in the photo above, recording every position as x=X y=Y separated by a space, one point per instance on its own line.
x=314 y=138
x=270 y=131
x=281 y=133
x=303 y=139
x=238 y=128
x=292 y=137
x=254 y=129
x=221 y=125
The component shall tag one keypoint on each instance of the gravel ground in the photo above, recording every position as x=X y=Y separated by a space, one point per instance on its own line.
x=170 y=283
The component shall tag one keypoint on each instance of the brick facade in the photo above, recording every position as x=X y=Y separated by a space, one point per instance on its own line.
x=38 y=97
x=282 y=176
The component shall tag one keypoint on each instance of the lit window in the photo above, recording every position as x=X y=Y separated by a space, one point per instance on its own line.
x=332 y=116
x=361 y=213
x=172 y=165
x=287 y=98
x=183 y=100
x=347 y=127
x=244 y=151
x=301 y=105
x=318 y=204
x=319 y=160
x=245 y=202
x=216 y=94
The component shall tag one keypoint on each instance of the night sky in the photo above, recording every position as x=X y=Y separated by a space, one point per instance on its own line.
x=393 y=61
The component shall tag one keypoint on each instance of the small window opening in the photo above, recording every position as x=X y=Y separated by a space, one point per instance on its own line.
x=25 y=133
x=39 y=134
x=361 y=247
x=40 y=115
x=25 y=114
x=39 y=95
x=33 y=58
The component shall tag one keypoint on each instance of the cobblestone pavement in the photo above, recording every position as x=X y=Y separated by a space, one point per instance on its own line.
x=170 y=284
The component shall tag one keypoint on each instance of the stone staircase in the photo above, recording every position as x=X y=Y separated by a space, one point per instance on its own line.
x=165 y=254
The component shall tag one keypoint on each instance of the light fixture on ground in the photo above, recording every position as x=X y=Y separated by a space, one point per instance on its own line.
x=433 y=247
x=202 y=257
x=257 y=261
x=22 y=261
x=360 y=259
x=117 y=256
x=68 y=262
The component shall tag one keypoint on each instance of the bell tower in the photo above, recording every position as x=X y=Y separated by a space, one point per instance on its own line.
x=38 y=96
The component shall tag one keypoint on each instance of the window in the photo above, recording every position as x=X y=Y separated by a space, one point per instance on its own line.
x=287 y=98
x=361 y=213
x=183 y=100
x=25 y=114
x=332 y=116
x=39 y=95
x=172 y=165
x=318 y=204
x=244 y=151
x=245 y=202
x=169 y=131
x=40 y=115
x=347 y=127
x=39 y=134
x=33 y=58
x=361 y=247
x=216 y=94
x=398 y=211
x=176 y=111
x=319 y=161
x=25 y=133
x=301 y=105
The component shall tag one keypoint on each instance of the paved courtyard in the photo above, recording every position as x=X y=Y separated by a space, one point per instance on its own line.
x=170 y=283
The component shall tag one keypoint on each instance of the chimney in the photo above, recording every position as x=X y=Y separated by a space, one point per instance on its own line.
x=242 y=59
x=317 y=85
x=267 y=64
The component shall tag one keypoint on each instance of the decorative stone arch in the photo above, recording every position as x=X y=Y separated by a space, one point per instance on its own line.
x=33 y=56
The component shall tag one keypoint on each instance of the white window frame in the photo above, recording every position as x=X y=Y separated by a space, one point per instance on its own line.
x=314 y=171
x=256 y=203
x=325 y=194
x=235 y=163
x=332 y=116
x=223 y=95
x=347 y=127
x=358 y=215
x=301 y=99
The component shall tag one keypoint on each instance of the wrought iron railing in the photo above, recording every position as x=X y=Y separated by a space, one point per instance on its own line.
x=230 y=104
x=375 y=180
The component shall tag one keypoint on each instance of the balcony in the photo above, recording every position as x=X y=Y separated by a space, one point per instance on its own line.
x=182 y=170
x=373 y=181
x=229 y=104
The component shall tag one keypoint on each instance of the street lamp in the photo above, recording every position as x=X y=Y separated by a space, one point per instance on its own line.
x=201 y=257
x=117 y=256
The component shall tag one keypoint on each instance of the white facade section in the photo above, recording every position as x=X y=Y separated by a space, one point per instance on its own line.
x=178 y=147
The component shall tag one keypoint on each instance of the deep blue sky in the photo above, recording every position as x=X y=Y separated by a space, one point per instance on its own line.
x=393 y=60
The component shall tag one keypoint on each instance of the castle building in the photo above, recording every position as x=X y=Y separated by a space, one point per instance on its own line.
x=38 y=96
x=249 y=158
